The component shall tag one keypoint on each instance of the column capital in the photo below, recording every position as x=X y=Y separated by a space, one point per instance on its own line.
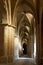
x=8 y=25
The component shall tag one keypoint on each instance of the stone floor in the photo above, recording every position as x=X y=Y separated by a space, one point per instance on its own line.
x=22 y=61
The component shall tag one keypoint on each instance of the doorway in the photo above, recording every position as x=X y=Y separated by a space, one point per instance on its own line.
x=24 y=49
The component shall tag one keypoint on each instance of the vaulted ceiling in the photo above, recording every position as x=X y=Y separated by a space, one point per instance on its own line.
x=22 y=13
x=25 y=17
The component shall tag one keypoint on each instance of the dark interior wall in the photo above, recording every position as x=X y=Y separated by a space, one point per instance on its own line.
x=41 y=31
x=42 y=36
x=41 y=52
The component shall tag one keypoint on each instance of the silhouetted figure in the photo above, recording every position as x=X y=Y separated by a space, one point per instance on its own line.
x=24 y=48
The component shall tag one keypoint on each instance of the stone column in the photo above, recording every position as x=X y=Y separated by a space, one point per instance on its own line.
x=2 y=48
x=9 y=33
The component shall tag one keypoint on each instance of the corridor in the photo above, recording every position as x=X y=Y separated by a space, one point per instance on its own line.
x=21 y=32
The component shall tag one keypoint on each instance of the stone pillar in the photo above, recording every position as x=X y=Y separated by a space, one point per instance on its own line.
x=9 y=42
x=2 y=49
x=29 y=48
x=16 y=47
x=7 y=33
